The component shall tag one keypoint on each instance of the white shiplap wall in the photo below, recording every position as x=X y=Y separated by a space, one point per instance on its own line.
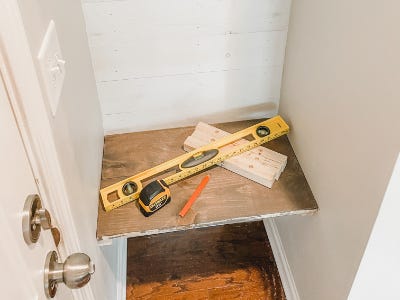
x=168 y=63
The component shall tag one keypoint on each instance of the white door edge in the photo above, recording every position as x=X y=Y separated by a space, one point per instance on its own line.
x=35 y=131
x=23 y=86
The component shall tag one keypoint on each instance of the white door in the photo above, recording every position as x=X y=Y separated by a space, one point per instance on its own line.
x=379 y=271
x=22 y=266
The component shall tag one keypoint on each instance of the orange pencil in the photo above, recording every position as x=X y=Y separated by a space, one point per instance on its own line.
x=194 y=196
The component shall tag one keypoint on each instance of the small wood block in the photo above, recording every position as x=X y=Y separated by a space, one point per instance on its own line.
x=212 y=133
x=260 y=164
x=239 y=165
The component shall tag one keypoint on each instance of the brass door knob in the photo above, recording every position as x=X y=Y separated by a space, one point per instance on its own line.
x=75 y=272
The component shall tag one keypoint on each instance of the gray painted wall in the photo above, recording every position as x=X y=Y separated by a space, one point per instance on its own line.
x=341 y=95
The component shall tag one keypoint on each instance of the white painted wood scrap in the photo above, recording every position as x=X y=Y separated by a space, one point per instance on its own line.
x=209 y=133
x=266 y=157
x=260 y=164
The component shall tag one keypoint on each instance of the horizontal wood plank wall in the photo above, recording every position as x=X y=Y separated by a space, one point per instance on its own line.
x=161 y=64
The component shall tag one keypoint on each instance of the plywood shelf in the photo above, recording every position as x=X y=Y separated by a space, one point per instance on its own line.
x=228 y=197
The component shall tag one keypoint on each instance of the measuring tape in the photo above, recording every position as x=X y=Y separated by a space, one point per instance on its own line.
x=156 y=194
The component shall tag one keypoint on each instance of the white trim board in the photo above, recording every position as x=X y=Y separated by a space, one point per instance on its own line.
x=282 y=263
x=120 y=268
x=115 y=254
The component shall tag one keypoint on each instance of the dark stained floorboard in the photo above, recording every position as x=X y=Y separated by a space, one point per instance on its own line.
x=224 y=262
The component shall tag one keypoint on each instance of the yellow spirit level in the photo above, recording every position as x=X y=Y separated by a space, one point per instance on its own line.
x=156 y=194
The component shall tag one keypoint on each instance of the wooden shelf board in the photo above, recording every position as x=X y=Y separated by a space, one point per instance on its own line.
x=228 y=197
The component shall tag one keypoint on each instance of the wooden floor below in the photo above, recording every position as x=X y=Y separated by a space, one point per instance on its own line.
x=224 y=262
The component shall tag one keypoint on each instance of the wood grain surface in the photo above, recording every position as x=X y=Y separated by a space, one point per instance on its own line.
x=224 y=262
x=228 y=197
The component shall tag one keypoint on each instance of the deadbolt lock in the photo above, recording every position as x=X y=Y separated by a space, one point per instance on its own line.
x=34 y=219
x=75 y=272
